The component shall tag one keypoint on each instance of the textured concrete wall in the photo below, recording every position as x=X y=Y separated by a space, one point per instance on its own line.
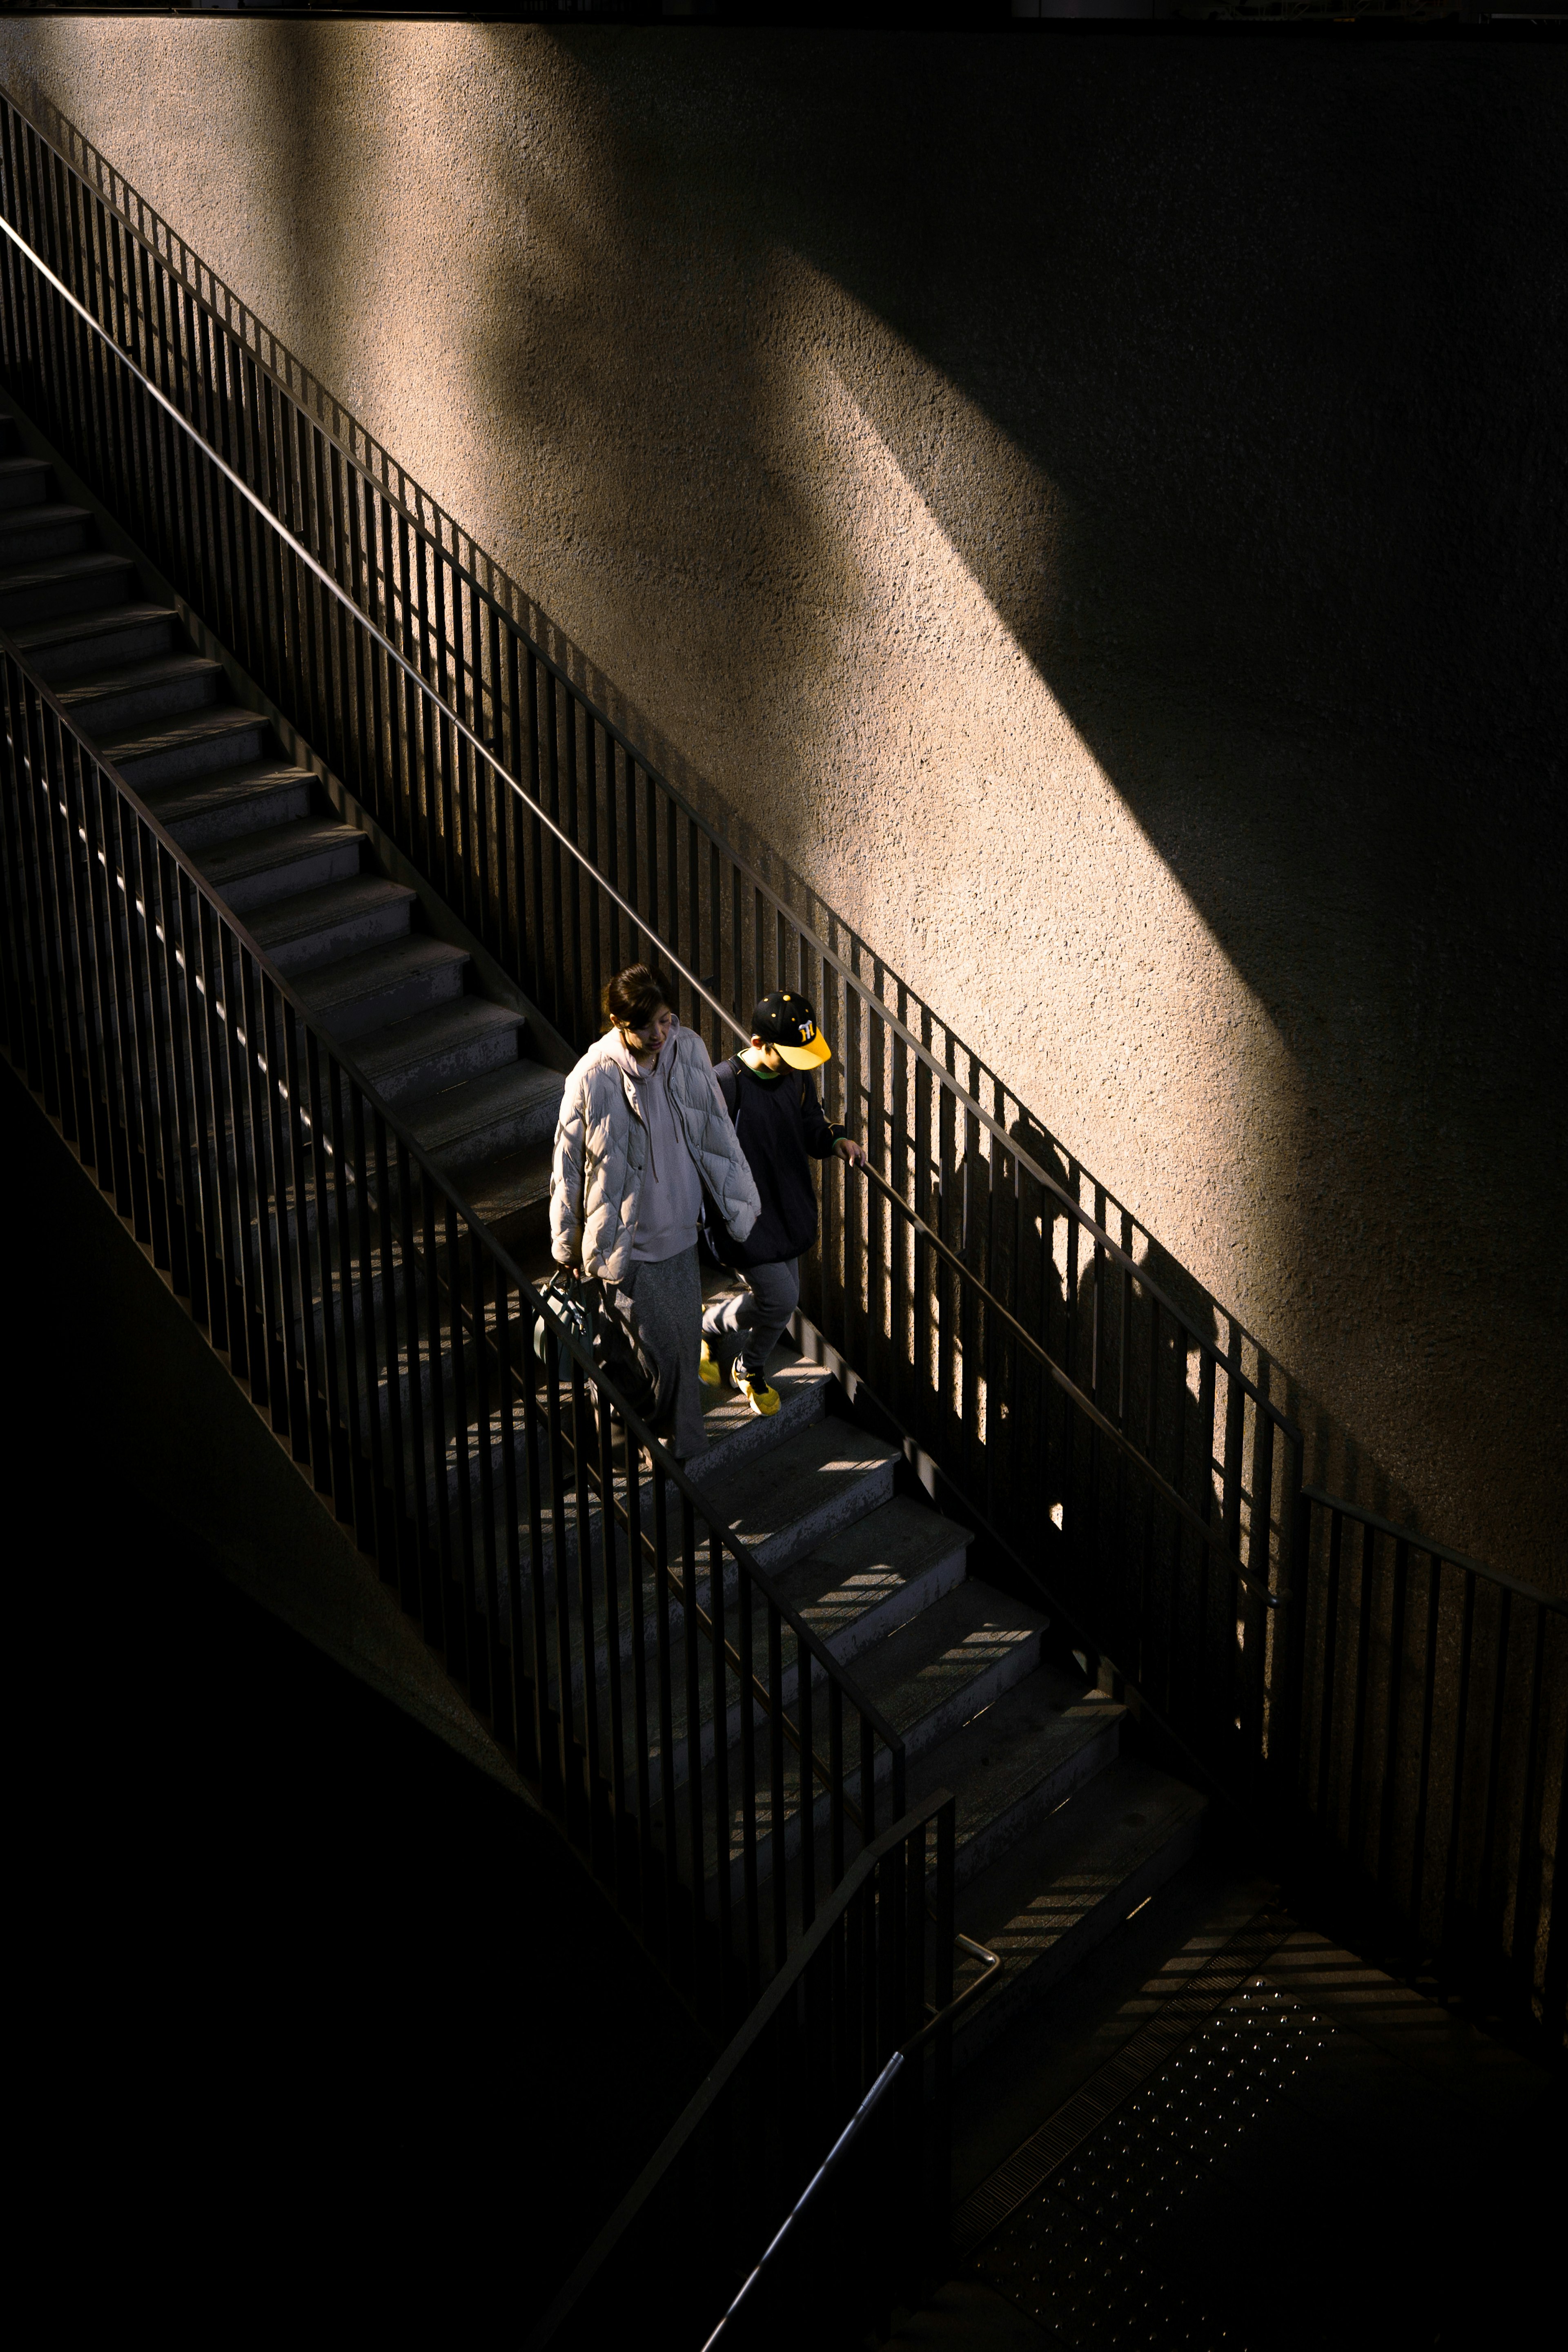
x=1097 y=510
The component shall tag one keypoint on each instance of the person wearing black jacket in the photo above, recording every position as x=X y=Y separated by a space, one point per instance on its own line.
x=770 y=1093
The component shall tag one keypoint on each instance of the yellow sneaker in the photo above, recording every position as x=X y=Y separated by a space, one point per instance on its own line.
x=757 y=1394
x=707 y=1368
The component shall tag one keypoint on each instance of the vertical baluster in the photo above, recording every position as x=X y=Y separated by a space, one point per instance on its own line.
x=835 y=1770
x=777 y=1796
x=510 y=1680
x=691 y=1638
x=1330 y=1669
x=426 y=1452
x=637 y=1546
x=470 y=1445
x=1529 y=1840
x=554 y=943
x=198 y=1123
x=586 y=1652
x=130 y=1019
x=1357 y=1840
x=1395 y=1688
x=1492 y=1802
x=365 y=1321
x=81 y=837
x=561 y=1574
x=1424 y=1756
x=723 y=1812
x=664 y=1666
x=611 y=1642
x=808 y=1790
x=744 y=1641
x=481 y=1580
x=1457 y=1786
x=51 y=851
x=292 y=1195
x=537 y=1467
x=402 y=1472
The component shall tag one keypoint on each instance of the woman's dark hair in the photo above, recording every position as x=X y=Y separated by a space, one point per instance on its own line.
x=635 y=996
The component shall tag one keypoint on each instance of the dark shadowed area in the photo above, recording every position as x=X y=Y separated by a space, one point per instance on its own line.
x=309 y=1998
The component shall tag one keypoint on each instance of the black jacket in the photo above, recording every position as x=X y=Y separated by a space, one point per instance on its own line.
x=780 y=1123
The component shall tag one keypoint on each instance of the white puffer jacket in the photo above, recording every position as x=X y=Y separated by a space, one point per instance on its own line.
x=602 y=1150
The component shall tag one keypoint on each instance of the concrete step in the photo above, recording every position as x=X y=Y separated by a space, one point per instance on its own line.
x=314 y=926
x=36 y=533
x=816 y=1482
x=70 y=583
x=130 y=694
x=381 y=985
x=848 y=1613
x=802 y=1392
x=439 y=1049
x=79 y=642
x=248 y=799
x=511 y=1193
x=1062 y=1889
x=24 y=482
x=255 y=869
x=1018 y=1760
x=465 y=1128
x=195 y=743
x=956 y=1658
x=870 y=1577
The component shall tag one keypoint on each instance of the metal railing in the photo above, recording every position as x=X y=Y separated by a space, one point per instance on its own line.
x=1433 y=1752
x=1105 y=1442
x=566 y=854
x=748 y=2164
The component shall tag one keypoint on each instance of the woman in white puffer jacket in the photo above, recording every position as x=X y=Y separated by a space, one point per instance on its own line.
x=643 y=1134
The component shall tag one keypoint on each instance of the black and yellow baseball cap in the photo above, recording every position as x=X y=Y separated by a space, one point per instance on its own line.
x=790 y=1023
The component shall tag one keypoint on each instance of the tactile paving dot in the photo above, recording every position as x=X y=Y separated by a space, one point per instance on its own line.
x=1069 y=2255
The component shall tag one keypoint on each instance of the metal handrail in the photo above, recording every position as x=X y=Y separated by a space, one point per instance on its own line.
x=884 y=2082
x=723 y=2073
x=443 y=1186
x=1358 y=1511
x=906 y=1036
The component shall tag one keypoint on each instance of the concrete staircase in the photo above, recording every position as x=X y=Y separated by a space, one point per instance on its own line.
x=1059 y=1833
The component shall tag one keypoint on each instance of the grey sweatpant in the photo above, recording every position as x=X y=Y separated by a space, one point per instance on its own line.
x=757 y=1316
x=660 y=1300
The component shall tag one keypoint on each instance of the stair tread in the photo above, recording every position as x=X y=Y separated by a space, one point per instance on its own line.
x=38 y=637
x=802 y=1474
x=178 y=729
x=1074 y=1866
x=274 y=844
x=371 y=970
x=945 y=1648
x=415 y=1040
x=504 y=1187
x=873 y=1569
x=23 y=465
x=50 y=511
x=727 y=1418
x=1023 y=1741
x=155 y=669
x=305 y=911
x=443 y=1120
x=47 y=572
x=200 y=795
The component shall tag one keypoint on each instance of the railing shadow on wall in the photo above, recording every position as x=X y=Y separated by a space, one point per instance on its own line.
x=1104 y=1431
